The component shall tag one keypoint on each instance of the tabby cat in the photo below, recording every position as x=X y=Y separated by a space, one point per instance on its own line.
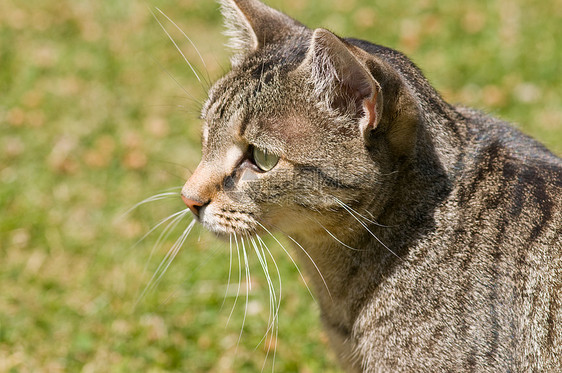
x=433 y=232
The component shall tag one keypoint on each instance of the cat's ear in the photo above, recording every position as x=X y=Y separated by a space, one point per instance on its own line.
x=251 y=25
x=342 y=80
x=354 y=82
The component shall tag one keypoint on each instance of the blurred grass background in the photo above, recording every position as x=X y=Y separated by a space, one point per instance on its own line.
x=92 y=121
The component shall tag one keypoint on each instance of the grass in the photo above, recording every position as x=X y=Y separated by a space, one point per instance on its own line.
x=92 y=121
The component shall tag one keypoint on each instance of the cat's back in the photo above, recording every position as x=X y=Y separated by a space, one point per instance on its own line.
x=506 y=240
x=494 y=296
x=505 y=170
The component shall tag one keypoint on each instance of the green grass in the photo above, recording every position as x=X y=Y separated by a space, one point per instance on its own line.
x=91 y=123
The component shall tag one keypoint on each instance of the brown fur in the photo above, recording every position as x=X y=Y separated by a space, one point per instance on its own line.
x=437 y=229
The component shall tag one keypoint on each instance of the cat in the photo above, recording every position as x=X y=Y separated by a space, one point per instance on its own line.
x=431 y=233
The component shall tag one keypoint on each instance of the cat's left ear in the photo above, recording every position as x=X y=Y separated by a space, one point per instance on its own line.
x=353 y=82
x=343 y=80
x=251 y=25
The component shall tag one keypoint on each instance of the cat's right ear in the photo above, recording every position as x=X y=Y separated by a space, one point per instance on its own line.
x=251 y=25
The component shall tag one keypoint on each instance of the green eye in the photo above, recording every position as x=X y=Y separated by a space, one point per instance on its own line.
x=264 y=160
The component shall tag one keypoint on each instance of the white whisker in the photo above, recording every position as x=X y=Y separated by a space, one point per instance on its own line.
x=275 y=322
x=358 y=214
x=202 y=263
x=290 y=257
x=229 y=270
x=182 y=213
x=335 y=238
x=367 y=228
x=175 y=45
x=153 y=198
x=313 y=262
x=263 y=263
x=239 y=278
x=272 y=295
x=248 y=288
x=164 y=235
x=264 y=248
x=190 y=41
x=168 y=259
x=174 y=252
x=189 y=95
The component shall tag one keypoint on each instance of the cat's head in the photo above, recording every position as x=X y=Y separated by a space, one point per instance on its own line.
x=299 y=126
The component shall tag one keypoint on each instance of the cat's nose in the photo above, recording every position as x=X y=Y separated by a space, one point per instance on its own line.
x=194 y=206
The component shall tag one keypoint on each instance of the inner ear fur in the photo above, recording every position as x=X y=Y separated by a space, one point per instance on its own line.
x=251 y=25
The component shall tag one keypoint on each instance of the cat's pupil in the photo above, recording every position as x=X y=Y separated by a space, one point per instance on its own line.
x=263 y=159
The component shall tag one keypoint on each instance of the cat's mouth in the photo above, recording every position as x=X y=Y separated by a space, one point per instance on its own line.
x=225 y=222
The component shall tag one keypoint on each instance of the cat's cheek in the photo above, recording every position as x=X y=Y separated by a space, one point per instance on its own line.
x=205 y=136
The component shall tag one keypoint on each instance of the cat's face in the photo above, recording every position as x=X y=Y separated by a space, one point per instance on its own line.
x=313 y=156
x=285 y=134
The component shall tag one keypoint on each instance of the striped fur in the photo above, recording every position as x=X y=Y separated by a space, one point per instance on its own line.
x=437 y=229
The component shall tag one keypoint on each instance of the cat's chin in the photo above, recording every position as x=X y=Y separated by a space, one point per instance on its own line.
x=228 y=236
x=224 y=231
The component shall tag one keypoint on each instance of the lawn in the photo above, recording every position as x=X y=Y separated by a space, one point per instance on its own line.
x=98 y=111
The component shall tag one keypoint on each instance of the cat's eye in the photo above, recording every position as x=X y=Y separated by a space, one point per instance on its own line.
x=263 y=159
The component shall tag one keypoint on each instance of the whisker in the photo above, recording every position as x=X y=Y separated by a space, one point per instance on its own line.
x=156 y=197
x=263 y=263
x=182 y=213
x=174 y=252
x=275 y=322
x=261 y=74
x=274 y=325
x=313 y=262
x=368 y=230
x=177 y=47
x=208 y=82
x=229 y=270
x=168 y=259
x=335 y=238
x=263 y=245
x=194 y=114
x=239 y=278
x=248 y=288
x=190 y=96
x=201 y=263
x=183 y=176
x=163 y=236
x=358 y=214
x=290 y=257
x=272 y=295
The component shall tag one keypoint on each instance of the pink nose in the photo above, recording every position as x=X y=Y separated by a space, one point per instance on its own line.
x=193 y=205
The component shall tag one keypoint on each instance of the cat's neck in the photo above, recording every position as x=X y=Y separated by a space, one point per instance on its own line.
x=347 y=265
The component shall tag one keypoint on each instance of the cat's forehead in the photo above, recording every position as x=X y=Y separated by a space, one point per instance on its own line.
x=247 y=96
x=254 y=116
x=265 y=68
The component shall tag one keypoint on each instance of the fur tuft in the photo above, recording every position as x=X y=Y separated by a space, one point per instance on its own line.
x=242 y=37
x=323 y=74
x=251 y=25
